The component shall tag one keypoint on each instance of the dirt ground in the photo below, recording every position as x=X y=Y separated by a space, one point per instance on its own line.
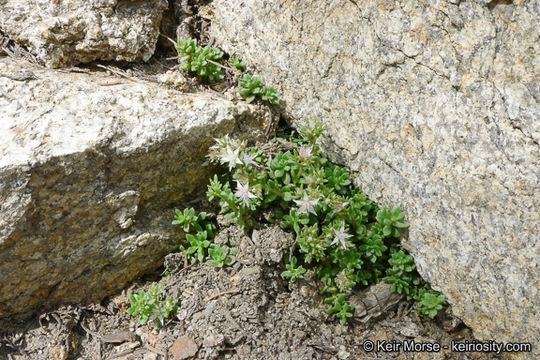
x=245 y=311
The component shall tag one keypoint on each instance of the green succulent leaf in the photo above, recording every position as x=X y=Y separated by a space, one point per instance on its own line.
x=219 y=256
x=392 y=222
x=237 y=63
x=251 y=89
x=292 y=271
x=149 y=306
x=203 y=61
x=430 y=303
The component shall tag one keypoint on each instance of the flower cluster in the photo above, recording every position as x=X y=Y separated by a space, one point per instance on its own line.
x=340 y=232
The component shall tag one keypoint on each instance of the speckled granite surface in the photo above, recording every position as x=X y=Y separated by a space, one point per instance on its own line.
x=68 y=32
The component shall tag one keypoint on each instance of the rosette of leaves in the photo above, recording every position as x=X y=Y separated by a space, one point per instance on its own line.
x=150 y=308
x=293 y=272
x=341 y=307
x=294 y=221
x=429 y=304
x=198 y=245
x=237 y=63
x=203 y=229
x=251 y=89
x=270 y=95
x=402 y=274
x=284 y=168
x=337 y=178
x=186 y=47
x=373 y=248
x=197 y=222
x=392 y=221
x=219 y=256
x=360 y=212
x=204 y=61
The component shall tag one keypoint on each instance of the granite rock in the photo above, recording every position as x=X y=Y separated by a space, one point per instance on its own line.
x=67 y=32
x=90 y=175
x=434 y=106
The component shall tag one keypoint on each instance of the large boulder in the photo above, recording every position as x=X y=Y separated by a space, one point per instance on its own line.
x=89 y=176
x=434 y=105
x=67 y=32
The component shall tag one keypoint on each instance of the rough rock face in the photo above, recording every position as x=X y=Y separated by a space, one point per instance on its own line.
x=67 y=32
x=89 y=175
x=434 y=106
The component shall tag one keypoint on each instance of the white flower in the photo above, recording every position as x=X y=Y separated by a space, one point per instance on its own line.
x=221 y=143
x=242 y=192
x=249 y=159
x=306 y=205
x=232 y=157
x=305 y=152
x=341 y=236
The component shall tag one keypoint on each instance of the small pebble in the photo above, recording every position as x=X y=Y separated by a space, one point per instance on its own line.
x=183 y=348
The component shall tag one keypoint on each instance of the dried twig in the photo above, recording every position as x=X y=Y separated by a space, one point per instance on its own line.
x=174 y=57
x=15 y=50
x=110 y=82
x=115 y=71
x=232 y=291
x=221 y=66
x=168 y=38
x=24 y=76
x=186 y=263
